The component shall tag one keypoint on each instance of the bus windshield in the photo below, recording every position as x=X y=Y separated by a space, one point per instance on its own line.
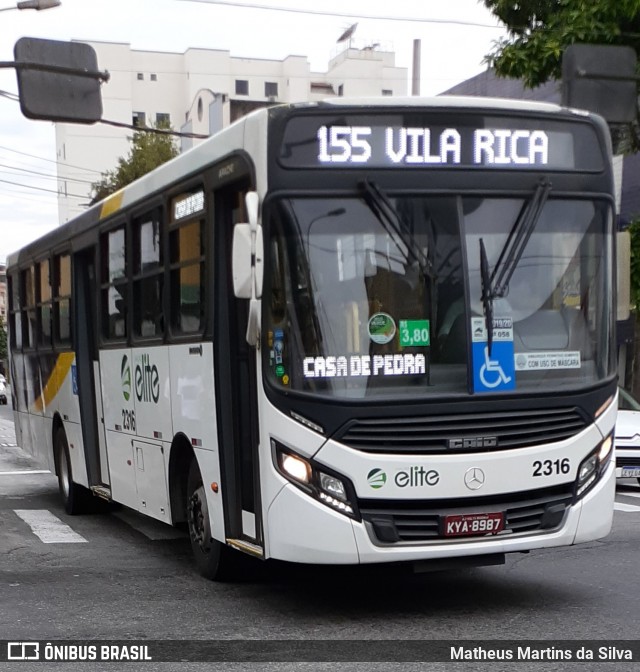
x=355 y=307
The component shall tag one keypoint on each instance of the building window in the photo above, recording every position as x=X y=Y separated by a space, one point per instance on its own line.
x=387 y=92
x=271 y=89
x=139 y=119
x=242 y=87
x=154 y=77
x=341 y=90
x=163 y=119
x=140 y=76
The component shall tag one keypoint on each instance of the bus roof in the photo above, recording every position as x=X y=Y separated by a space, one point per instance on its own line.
x=461 y=102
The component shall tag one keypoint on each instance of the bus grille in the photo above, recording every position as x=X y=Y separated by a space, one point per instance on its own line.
x=431 y=435
x=627 y=461
x=415 y=521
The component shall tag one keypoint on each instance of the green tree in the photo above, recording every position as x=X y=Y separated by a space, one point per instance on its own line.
x=149 y=150
x=3 y=340
x=634 y=232
x=540 y=30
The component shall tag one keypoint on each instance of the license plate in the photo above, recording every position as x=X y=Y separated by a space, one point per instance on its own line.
x=630 y=472
x=472 y=524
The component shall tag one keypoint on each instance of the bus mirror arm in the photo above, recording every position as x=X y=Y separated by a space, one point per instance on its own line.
x=253 y=323
x=257 y=248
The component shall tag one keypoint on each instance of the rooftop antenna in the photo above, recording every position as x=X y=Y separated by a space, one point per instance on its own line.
x=348 y=34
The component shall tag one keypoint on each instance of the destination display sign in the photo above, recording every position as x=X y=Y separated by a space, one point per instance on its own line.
x=437 y=140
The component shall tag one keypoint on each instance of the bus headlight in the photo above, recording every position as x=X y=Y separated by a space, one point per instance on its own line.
x=296 y=468
x=333 y=490
x=592 y=466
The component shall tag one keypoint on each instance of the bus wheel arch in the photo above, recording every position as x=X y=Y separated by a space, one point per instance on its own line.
x=180 y=460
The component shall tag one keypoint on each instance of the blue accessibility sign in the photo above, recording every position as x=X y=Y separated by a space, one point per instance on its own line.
x=495 y=371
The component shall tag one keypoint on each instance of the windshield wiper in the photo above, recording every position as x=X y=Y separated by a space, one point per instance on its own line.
x=378 y=202
x=497 y=285
x=487 y=296
x=518 y=239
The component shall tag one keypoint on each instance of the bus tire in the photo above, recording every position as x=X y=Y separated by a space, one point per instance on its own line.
x=213 y=558
x=74 y=496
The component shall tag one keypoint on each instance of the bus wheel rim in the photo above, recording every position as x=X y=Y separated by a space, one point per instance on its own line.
x=199 y=527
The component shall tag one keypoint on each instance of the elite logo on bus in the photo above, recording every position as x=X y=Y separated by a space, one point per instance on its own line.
x=147 y=380
x=125 y=377
x=376 y=478
x=413 y=477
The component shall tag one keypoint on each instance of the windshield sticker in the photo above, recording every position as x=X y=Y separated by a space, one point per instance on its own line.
x=275 y=341
x=414 y=333
x=540 y=361
x=364 y=365
x=382 y=328
x=493 y=370
x=502 y=329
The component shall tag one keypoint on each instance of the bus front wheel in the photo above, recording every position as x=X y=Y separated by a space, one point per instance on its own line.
x=74 y=496
x=212 y=557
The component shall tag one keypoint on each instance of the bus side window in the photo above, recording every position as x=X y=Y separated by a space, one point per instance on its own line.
x=187 y=277
x=148 y=275
x=27 y=304
x=15 y=317
x=45 y=312
x=114 y=284
x=61 y=298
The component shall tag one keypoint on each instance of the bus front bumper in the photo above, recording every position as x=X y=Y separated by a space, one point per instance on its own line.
x=303 y=530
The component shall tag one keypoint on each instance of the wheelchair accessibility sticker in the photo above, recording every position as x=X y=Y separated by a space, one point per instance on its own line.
x=493 y=372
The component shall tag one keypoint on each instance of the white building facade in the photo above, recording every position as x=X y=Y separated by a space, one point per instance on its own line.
x=201 y=91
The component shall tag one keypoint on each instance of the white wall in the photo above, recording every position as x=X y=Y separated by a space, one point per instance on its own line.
x=179 y=81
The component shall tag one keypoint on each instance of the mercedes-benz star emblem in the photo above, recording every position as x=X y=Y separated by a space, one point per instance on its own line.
x=474 y=478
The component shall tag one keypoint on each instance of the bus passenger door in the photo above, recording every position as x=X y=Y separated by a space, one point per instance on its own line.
x=87 y=374
x=236 y=383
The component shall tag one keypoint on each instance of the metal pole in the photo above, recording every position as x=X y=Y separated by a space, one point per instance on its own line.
x=415 y=83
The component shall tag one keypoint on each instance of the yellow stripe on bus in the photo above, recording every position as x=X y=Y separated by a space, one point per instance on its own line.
x=57 y=377
x=112 y=204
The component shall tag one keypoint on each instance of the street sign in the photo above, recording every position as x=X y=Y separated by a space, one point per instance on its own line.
x=58 y=81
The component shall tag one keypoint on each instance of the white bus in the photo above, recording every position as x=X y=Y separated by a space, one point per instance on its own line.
x=358 y=331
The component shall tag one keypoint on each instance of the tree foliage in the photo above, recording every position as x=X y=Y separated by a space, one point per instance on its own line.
x=148 y=151
x=634 y=232
x=540 y=30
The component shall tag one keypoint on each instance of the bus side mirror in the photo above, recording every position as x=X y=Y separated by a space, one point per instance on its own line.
x=248 y=253
x=241 y=261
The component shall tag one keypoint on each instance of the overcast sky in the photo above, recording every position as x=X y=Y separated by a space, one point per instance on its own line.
x=455 y=37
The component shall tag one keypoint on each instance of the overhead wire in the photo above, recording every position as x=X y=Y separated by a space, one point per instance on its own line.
x=349 y=15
